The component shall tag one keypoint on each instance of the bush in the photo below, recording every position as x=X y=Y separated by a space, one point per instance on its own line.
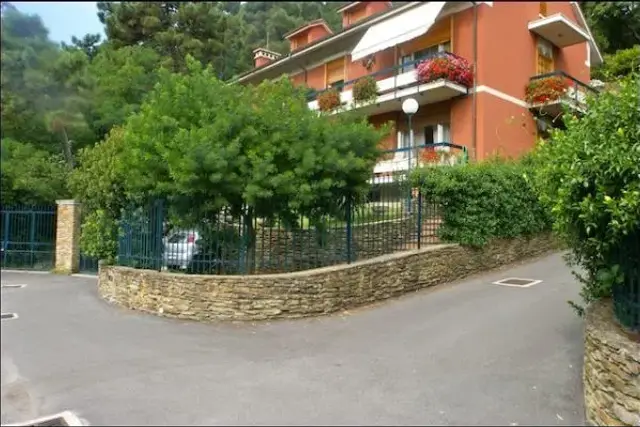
x=328 y=100
x=618 y=65
x=365 y=89
x=589 y=176
x=483 y=201
x=449 y=67
x=544 y=90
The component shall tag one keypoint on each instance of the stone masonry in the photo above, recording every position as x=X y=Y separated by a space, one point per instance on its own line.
x=611 y=370
x=306 y=293
x=68 y=237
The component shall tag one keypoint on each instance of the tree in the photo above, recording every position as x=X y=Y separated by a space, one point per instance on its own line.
x=615 y=24
x=175 y=30
x=203 y=146
x=589 y=176
x=121 y=78
x=619 y=64
x=88 y=44
x=31 y=176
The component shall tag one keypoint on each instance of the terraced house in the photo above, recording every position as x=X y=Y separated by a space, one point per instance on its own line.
x=487 y=76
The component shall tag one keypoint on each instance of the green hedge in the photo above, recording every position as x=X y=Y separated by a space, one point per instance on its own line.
x=483 y=201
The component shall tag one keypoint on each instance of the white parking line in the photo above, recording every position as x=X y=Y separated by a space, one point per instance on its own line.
x=9 y=286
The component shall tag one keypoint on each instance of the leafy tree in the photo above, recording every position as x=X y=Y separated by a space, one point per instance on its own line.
x=203 y=145
x=31 y=176
x=615 y=24
x=121 y=78
x=98 y=182
x=88 y=44
x=589 y=175
x=200 y=29
x=619 y=64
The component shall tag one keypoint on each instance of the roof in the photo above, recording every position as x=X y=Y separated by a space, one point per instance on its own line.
x=584 y=23
x=263 y=49
x=334 y=36
x=311 y=24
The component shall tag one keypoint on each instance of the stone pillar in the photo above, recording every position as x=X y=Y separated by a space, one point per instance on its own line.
x=68 y=237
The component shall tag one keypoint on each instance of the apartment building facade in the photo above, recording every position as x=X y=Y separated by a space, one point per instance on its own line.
x=509 y=46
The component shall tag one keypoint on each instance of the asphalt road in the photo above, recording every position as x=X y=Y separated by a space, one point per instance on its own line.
x=469 y=353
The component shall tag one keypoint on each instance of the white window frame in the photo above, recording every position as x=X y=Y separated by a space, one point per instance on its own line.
x=441 y=48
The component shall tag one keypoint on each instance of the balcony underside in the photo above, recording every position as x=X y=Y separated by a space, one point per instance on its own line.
x=555 y=109
x=558 y=30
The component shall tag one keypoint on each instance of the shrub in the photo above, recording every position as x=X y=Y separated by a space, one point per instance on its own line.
x=544 y=90
x=483 y=201
x=618 y=65
x=329 y=100
x=589 y=175
x=365 y=89
x=449 y=67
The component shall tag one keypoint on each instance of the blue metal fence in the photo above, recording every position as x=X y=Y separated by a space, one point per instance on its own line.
x=28 y=237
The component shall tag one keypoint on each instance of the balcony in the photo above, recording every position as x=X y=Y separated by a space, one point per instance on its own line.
x=400 y=160
x=427 y=79
x=548 y=94
x=558 y=30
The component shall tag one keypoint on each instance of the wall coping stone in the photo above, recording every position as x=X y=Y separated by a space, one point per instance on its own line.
x=67 y=202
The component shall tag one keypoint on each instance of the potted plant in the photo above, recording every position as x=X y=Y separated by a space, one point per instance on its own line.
x=329 y=99
x=544 y=90
x=365 y=89
x=448 y=67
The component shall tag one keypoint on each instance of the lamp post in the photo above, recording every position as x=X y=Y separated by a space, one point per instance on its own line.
x=409 y=107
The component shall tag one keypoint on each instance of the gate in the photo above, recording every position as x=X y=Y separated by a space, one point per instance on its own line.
x=28 y=235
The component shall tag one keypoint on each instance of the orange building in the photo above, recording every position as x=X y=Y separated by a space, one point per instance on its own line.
x=504 y=45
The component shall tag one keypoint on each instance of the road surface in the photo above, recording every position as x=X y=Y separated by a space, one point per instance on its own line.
x=468 y=353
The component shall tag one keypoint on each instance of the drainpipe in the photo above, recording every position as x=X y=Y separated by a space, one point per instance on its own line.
x=474 y=108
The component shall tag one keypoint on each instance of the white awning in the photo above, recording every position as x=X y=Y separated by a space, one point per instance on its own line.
x=398 y=29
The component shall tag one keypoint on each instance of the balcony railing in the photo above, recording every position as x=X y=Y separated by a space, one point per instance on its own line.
x=556 y=87
x=437 y=154
x=396 y=72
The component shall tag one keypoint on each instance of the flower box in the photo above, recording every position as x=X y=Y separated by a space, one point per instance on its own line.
x=448 y=67
x=329 y=100
x=549 y=89
x=365 y=89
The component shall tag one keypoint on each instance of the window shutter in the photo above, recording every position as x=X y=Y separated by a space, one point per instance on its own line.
x=335 y=71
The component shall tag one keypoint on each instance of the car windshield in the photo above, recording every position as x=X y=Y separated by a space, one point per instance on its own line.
x=178 y=238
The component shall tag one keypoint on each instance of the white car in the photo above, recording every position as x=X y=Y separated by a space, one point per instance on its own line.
x=179 y=248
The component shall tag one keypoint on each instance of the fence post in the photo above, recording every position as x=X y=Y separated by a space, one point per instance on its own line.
x=349 y=231
x=67 y=236
x=419 y=217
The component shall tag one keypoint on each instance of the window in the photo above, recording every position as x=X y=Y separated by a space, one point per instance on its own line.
x=407 y=61
x=544 y=53
x=357 y=15
x=335 y=72
x=430 y=134
x=338 y=84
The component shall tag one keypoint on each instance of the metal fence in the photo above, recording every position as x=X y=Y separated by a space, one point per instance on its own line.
x=393 y=218
x=28 y=237
x=87 y=264
x=626 y=295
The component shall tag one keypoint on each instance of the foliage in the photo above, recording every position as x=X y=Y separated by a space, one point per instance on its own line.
x=615 y=24
x=619 y=64
x=329 y=100
x=202 y=145
x=365 y=89
x=589 y=176
x=31 y=176
x=483 y=201
x=547 y=89
x=98 y=183
x=450 y=67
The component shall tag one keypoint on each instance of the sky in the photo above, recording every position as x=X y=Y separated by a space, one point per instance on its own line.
x=65 y=19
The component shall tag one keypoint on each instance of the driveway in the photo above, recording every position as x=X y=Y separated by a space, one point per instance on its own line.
x=469 y=353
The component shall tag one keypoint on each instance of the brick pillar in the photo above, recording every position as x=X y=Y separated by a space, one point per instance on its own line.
x=68 y=237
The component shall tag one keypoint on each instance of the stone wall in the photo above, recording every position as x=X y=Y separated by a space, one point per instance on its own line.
x=611 y=370
x=306 y=293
